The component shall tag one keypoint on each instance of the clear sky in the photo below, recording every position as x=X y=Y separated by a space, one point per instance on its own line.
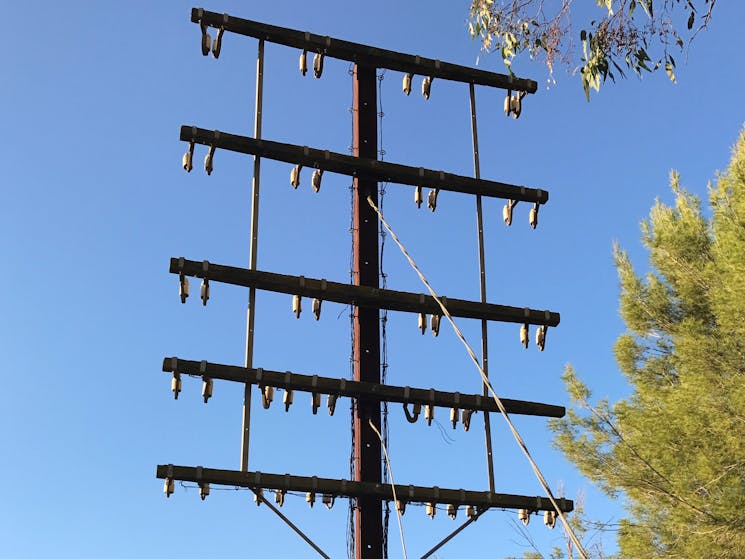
x=95 y=203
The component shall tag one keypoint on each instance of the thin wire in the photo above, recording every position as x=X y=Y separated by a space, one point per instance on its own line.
x=521 y=443
x=383 y=312
x=351 y=527
x=393 y=487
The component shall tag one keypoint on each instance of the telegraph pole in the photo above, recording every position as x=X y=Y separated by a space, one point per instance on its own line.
x=366 y=491
x=366 y=350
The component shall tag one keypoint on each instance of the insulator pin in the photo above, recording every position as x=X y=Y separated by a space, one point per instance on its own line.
x=524 y=335
x=406 y=85
x=183 y=287
x=295 y=176
x=267 y=395
x=207 y=389
x=331 y=402
x=217 y=43
x=429 y=413
x=432 y=199
x=426 y=87
x=513 y=103
x=540 y=337
x=168 y=486
x=533 y=216
x=204 y=291
x=287 y=399
x=465 y=418
x=317 y=309
x=422 y=322
x=186 y=160
x=315 y=179
x=208 y=159
x=523 y=516
x=176 y=385
x=454 y=414
x=206 y=40
x=318 y=64
x=303 y=63
x=315 y=402
x=507 y=212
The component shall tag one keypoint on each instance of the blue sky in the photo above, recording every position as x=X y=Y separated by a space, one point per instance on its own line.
x=96 y=202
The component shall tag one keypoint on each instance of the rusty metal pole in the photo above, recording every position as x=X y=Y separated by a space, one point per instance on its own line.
x=366 y=352
x=251 y=311
x=482 y=284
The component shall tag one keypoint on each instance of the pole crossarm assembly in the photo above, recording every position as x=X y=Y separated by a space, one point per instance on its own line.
x=380 y=171
x=359 y=489
x=355 y=389
x=359 y=295
x=367 y=487
x=360 y=54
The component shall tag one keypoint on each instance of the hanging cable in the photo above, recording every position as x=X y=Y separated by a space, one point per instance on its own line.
x=351 y=528
x=383 y=312
x=518 y=438
x=393 y=487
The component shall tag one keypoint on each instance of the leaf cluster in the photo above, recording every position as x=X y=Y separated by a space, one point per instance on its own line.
x=624 y=35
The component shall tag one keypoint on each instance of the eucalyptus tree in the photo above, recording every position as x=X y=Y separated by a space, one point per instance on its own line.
x=599 y=41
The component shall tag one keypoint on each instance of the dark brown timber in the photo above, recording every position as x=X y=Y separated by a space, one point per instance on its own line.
x=366 y=319
x=361 y=166
x=362 y=295
x=355 y=389
x=359 y=490
x=361 y=54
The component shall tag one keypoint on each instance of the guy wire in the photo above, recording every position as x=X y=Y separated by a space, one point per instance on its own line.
x=518 y=438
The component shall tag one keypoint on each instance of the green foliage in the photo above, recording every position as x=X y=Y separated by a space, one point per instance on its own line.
x=616 y=37
x=674 y=450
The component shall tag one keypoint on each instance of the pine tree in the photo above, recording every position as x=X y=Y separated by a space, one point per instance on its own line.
x=674 y=450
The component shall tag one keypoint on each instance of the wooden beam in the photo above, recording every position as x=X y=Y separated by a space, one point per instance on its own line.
x=355 y=389
x=361 y=54
x=361 y=167
x=360 y=295
x=357 y=489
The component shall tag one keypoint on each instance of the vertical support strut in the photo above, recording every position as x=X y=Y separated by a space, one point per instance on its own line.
x=251 y=312
x=482 y=281
x=366 y=353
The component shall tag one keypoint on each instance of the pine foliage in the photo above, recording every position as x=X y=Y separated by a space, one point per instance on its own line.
x=674 y=450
